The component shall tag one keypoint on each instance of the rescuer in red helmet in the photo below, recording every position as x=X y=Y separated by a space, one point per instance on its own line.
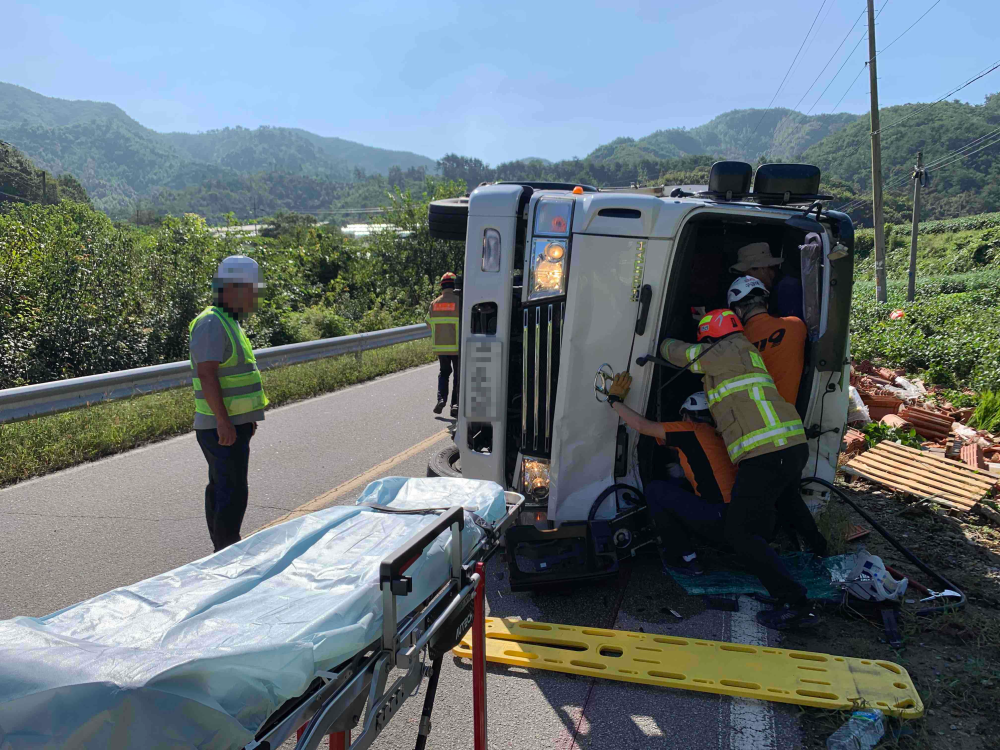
x=443 y=320
x=766 y=442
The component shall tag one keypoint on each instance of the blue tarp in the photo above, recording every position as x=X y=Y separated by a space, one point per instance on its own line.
x=199 y=657
x=817 y=574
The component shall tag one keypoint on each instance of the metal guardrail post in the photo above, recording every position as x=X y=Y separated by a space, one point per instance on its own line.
x=30 y=401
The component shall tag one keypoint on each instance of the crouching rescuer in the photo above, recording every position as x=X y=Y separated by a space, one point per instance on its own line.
x=765 y=440
x=228 y=395
x=676 y=512
x=443 y=320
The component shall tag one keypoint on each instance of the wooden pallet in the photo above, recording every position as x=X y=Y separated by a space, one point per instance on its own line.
x=923 y=475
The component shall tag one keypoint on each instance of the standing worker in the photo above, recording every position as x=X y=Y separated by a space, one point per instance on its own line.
x=766 y=441
x=756 y=260
x=443 y=320
x=228 y=394
x=780 y=341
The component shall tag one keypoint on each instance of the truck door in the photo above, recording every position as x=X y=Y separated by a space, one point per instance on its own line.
x=601 y=311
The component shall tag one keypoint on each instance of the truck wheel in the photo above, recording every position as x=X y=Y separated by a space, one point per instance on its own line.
x=445 y=463
x=448 y=219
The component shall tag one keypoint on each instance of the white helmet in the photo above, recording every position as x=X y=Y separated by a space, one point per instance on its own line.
x=239 y=269
x=870 y=581
x=743 y=287
x=695 y=402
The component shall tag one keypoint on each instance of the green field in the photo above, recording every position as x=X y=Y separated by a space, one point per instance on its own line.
x=951 y=331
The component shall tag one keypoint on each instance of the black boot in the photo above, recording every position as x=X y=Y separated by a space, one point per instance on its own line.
x=439 y=407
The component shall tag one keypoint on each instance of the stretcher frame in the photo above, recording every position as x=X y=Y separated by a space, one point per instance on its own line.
x=336 y=700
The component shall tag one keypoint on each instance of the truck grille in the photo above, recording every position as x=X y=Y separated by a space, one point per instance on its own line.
x=542 y=335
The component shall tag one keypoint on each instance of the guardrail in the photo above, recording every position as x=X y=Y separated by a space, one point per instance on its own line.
x=29 y=401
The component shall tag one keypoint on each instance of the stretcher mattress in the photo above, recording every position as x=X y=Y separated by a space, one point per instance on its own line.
x=199 y=657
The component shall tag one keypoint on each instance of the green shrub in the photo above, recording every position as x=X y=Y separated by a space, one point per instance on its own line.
x=876 y=432
x=987 y=413
x=313 y=323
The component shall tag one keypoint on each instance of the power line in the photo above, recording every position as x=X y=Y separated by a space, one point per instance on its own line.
x=967 y=145
x=908 y=27
x=952 y=157
x=810 y=41
x=839 y=46
x=994 y=142
x=849 y=88
x=19 y=198
x=955 y=90
x=846 y=60
x=781 y=85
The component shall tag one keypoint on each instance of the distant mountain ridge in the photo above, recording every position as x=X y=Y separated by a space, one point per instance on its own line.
x=120 y=161
x=751 y=134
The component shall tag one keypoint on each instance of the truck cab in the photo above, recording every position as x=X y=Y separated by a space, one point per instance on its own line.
x=565 y=284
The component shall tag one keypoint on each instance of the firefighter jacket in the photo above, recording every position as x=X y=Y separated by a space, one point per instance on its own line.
x=443 y=320
x=749 y=414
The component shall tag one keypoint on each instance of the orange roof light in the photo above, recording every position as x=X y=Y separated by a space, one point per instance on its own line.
x=578 y=190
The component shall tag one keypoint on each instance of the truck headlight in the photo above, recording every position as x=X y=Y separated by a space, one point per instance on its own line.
x=548 y=268
x=549 y=248
x=535 y=478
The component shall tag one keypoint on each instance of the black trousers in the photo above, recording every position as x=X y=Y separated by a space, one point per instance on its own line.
x=767 y=487
x=227 y=490
x=679 y=514
x=449 y=368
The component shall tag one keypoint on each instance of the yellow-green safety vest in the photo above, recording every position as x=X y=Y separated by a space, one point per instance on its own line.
x=242 y=389
x=443 y=320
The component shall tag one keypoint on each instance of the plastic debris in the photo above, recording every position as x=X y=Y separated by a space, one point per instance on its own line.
x=861 y=732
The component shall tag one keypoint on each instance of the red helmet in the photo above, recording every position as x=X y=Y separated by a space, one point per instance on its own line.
x=719 y=323
x=449 y=278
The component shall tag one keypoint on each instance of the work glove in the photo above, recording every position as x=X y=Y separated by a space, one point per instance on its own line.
x=619 y=387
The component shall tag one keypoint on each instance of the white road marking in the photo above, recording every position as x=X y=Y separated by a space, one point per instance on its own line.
x=751 y=722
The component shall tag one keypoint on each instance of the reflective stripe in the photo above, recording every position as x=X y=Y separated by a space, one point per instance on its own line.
x=757 y=361
x=239 y=379
x=444 y=335
x=763 y=406
x=240 y=390
x=777 y=435
x=692 y=354
x=742 y=383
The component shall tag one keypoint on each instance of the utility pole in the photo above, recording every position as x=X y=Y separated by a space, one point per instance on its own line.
x=918 y=178
x=881 y=293
x=44 y=194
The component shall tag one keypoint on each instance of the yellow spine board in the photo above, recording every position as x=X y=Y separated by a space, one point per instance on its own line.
x=774 y=674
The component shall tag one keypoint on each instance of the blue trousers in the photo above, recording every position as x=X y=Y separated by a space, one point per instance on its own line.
x=679 y=514
x=448 y=369
x=227 y=490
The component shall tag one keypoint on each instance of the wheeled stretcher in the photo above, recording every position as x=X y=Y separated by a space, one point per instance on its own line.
x=295 y=628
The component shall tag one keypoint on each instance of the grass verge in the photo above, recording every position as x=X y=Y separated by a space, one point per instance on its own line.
x=39 y=446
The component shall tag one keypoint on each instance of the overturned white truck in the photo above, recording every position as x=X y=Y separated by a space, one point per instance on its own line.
x=563 y=283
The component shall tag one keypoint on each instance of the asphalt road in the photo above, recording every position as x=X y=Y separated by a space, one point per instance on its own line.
x=84 y=531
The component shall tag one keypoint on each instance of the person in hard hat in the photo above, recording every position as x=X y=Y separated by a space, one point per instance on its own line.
x=443 y=320
x=766 y=442
x=756 y=260
x=780 y=341
x=228 y=394
x=676 y=512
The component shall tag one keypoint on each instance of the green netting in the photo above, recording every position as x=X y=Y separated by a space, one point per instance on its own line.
x=815 y=573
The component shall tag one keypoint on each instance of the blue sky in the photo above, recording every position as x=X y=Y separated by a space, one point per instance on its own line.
x=497 y=80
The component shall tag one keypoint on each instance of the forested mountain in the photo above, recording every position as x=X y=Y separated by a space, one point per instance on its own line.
x=122 y=163
x=125 y=166
x=748 y=134
x=20 y=179
x=967 y=186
